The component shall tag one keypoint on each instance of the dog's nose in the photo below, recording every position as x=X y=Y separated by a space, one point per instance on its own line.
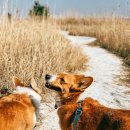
x=47 y=76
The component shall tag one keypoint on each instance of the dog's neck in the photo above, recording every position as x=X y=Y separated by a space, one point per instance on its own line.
x=67 y=109
x=66 y=99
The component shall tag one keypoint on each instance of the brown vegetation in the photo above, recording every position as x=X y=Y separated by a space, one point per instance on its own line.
x=111 y=32
x=31 y=48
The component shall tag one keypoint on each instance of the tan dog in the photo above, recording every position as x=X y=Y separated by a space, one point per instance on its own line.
x=18 y=110
x=94 y=115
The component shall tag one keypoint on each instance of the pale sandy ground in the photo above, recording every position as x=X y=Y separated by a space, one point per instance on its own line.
x=106 y=68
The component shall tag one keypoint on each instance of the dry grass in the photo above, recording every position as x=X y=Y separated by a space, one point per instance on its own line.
x=31 y=48
x=111 y=32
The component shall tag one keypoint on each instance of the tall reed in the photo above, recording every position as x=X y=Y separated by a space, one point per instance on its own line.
x=32 y=48
x=112 y=33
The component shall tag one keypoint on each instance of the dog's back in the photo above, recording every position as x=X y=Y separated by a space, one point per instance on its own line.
x=16 y=112
x=94 y=117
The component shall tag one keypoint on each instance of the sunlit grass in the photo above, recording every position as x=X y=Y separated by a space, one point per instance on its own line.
x=112 y=33
x=31 y=48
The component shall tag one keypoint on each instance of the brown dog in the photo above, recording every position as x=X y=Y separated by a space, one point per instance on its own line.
x=94 y=115
x=18 y=110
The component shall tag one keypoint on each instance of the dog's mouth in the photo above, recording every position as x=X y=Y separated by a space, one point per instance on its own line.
x=50 y=86
x=57 y=98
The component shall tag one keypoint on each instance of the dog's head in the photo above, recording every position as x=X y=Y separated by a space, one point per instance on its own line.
x=68 y=84
x=32 y=90
x=33 y=86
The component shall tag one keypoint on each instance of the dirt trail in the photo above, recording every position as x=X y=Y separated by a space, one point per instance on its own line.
x=106 y=68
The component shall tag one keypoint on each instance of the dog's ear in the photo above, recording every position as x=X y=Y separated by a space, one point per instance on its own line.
x=86 y=82
x=34 y=86
x=17 y=82
x=83 y=83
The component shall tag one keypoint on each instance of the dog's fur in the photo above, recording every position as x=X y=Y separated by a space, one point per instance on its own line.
x=94 y=115
x=18 y=110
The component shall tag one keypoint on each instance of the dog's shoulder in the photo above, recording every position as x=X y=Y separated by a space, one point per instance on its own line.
x=15 y=100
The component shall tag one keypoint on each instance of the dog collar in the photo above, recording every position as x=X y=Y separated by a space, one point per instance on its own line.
x=78 y=113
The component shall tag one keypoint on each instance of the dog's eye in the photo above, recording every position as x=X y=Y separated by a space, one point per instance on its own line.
x=62 y=80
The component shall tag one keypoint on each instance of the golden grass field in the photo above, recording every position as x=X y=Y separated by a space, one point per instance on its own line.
x=112 y=33
x=32 y=48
